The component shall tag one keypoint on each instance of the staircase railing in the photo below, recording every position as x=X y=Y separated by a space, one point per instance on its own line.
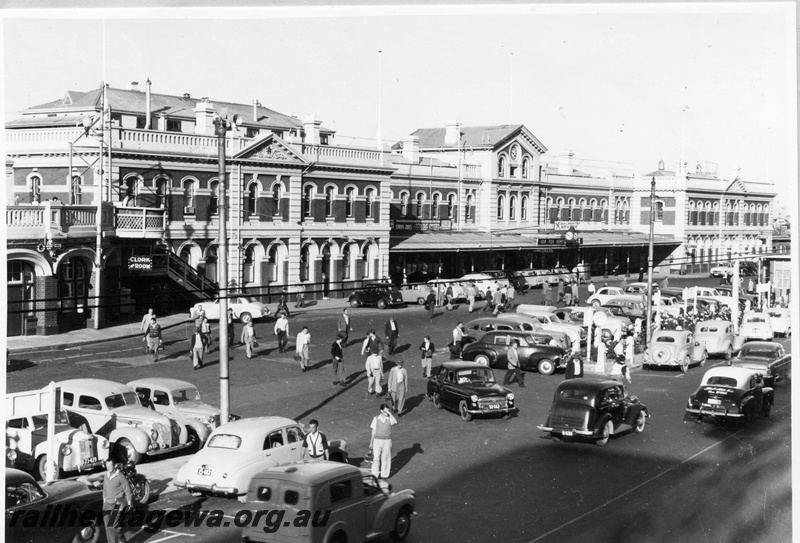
x=192 y=280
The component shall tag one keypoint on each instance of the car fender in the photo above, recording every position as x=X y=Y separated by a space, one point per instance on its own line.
x=602 y=422
x=242 y=477
x=384 y=518
x=138 y=438
x=633 y=413
x=200 y=428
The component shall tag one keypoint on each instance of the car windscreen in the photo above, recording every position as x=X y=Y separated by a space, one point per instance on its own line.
x=722 y=381
x=575 y=394
x=665 y=339
x=224 y=441
x=120 y=400
x=708 y=329
x=756 y=319
x=479 y=375
x=185 y=395
x=751 y=352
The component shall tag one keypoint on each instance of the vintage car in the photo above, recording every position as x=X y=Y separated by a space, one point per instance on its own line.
x=564 y=274
x=381 y=295
x=730 y=393
x=26 y=500
x=356 y=506
x=674 y=292
x=236 y=451
x=480 y=280
x=755 y=326
x=470 y=389
x=114 y=411
x=180 y=400
x=537 y=278
x=526 y=323
x=780 y=319
x=415 y=294
x=590 y=409
x=604 y=294
x=724 y=269
x=245 y=308
x=440 y=286
x=551 y=323
x=768 y=358
x=492 y=348
x=504 y=277
x=629 y=307
x=717 y=337
x=475 y=329
x=675 y=348
x=575 y=315
x=638 y=287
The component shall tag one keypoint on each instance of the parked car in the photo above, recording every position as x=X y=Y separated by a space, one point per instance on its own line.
x=470 y=389
x=114 y=411
x=245 y=308
x=780 y=319
x=532 y=325
x=755 y=326
x=537 y=278
x=550 y=322
x=180 y=400
x=235 y=452
x=475 y=329
x=590 y=409
x=440 y=285
x=674 y=292
x=717 y=337
x=629 y=307
x=356 y=505
x=381 y=295
x=492 y=349
x=639 y=287
x=725 y=269
x=480 y=280
x=768 y=358
x=730 y=393
x=574 y=315
x=415 y=294
x=26 y=499
x=604 y=294
x=564 y=274
x=675 y=348
x=501 y=276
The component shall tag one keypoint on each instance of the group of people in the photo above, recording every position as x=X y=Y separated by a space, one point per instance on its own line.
x=560 y=295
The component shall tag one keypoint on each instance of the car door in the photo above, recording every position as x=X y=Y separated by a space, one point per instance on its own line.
x=89 y=409
x=276 y=448
x=19 y=435
x=450 y=395
x=162 y=402
x=212 y=310
x=527 y=354
x=500 y=343
x=695 y=350
x=374 y=498
x=294 y=440
x=435 y=382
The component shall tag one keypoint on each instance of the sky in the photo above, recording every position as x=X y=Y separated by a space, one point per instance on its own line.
x=622 y=86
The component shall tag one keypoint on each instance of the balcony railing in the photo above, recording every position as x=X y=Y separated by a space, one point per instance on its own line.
x=144 y=222
x=38 y=220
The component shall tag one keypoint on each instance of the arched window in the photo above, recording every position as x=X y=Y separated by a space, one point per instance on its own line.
x=370 y=199
x=73 y=284
x=451 y=206
x=304 y=263
x=188 y=196
x=308 y=194
x=501 y=206
x=659 y=211
x=501 y=166
x=248 y=267
x=276 y=199
x=350 y=201
x=470 y=203
x=693 y=220
x=213 y=205
x=523 y=211
x=251 y=198
x=346 y=259
x=512 y=208
x=329 y=201
x=604 y=210
x=22 y=289
x=35 y=183
x=404 y=204
x=162 y=186
x=420 y=200
x=435 y=206
x=525 y=168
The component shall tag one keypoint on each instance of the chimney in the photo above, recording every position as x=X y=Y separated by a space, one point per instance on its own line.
x=147 y=112
x=565 y=165
x=204 y=117
x=452 y=132
x=256 y=105
x=311 y=127
x=411 y=149
x=135 y=86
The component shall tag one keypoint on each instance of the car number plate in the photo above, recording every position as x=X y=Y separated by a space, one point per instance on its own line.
x=493 y=406
x=205 y=472
x=714 y=401
x=91 y=460
x=567 y=432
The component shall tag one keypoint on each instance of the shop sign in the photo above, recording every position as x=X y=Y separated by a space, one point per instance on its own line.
x=421 y=226
x=140 y=263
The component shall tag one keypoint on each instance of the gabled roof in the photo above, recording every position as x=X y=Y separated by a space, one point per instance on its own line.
x=270 y=148
x=487 y=137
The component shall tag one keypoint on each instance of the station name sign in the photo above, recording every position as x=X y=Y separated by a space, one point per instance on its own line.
x=421 y=226
x=140 y=263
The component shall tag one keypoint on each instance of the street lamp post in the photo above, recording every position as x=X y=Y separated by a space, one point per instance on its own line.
x=650 y=259
x=221 y=127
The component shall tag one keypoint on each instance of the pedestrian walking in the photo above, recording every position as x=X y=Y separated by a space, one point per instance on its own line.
x=145 y=327
x=630 y=346
x=575 y=293
x=426 y=349
x=430 y=303
x=117 y=497
x=489 y=305
x=205 y=328
x=337 y=358
x=197 y=346
x=458 y=341
x=471 y=296
x=154 y=338
x=398 y=387
x=448 y=294
x=282 y=331
x=392 y=330
x=574 y=367
x=372 y=342
x=282 y=303
x=231 y=328
x=591 y=288
x=560 y=291
x=300 y=300
x=665 y=282
x=513 y=365
x=302 y=347
x=249 y=338
x=511 y=293
x=199 y=315
x=546 y=293
x=381 y=443
x=497 y=302
x=315 y=444
x=374 y=370
x=344 y=326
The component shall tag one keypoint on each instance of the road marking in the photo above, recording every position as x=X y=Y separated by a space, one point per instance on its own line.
x=670 y=376
x=637 y=487
x=174 y=534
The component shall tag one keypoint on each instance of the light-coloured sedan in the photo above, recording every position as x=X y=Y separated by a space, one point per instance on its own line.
x=756 y=326
x=245 y=308
x=717 y=336
x=604 y=294
x=550 y=321
x=781 y=321
x=675 y=348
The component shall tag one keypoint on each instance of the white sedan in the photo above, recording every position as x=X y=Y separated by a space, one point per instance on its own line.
x=780 y=320
x=604 y=294
x=245 y=308
x=723 y=270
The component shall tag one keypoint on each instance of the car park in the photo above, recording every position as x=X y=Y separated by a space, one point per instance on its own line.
x=675 y=348
x=730 y=393
x=26 y=499
x=180 y=400
x=492 y=349
x=235 y=452
x=604 y=294
x=381 y=295
x=357 y=506
x=114 y=411
x=766 y=357
x=593 y=410
x=780 y=319
x=756 y=326
x=551 y=323
x=470 y=389
x=245 y=308
x=717 y=337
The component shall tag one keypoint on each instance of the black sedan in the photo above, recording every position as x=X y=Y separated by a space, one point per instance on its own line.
x=380 y=295
x=730 y=393
x=67 y=510
x=589 y=409
x=470 y=389
x=491 y=350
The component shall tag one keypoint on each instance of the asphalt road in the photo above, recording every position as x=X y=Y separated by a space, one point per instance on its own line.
x=489 y=479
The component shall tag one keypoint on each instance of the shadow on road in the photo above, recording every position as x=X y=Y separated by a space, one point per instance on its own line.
x=404 y=457
x=352 y=380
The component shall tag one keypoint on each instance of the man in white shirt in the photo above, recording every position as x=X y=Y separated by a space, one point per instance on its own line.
x=302 y=345
x=471 y=296
x=282 y=331
x=398 y=387
x=374 y=369
x=381 y=442
x=315 y=444
x=458 y=340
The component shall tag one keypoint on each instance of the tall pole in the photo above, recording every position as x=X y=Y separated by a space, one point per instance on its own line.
x=380 y=138
x=98 y=250
x=221 y=127
x=650 y=259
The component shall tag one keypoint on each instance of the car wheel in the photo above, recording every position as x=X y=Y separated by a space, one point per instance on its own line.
x=354 y=302
x=685 y=364
x=193 y=440
x=382 y=303
x=402 y=525
x=421 y=301
x=141 y=490
x=126 y=452
x=608 y=429
x=595 y=303
x=464 y=410
x=88 y=534
x=546 y=367
x=339 y=538
x=41 y=468
x=437 y=400
x=245 y=317
x=482 y=359
x=640 y=422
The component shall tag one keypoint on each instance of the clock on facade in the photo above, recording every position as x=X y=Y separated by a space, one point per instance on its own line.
x=514 y=153
x=569 y=235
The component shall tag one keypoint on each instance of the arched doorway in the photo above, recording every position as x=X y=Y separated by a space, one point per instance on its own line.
x=21 y=293
x=326 y=271
x=211 y=264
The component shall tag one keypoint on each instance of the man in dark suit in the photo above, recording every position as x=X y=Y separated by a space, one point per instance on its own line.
x=392 y=330
x=337 y=358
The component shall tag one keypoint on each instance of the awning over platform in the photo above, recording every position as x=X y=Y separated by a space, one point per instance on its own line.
x=625 y=239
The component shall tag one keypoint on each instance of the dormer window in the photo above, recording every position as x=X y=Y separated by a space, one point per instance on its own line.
x=173 y=125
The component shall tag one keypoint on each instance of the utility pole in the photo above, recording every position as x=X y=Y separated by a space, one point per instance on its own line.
x=650 y=260
x=221 y=129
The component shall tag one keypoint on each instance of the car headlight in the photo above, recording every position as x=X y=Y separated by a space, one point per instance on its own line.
x=66 y=450
x=104 y=444
x=473 y=398
x=510 y=397
x=11 y=455
x=154 y=435
x=224 y=475
x=211 y=419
